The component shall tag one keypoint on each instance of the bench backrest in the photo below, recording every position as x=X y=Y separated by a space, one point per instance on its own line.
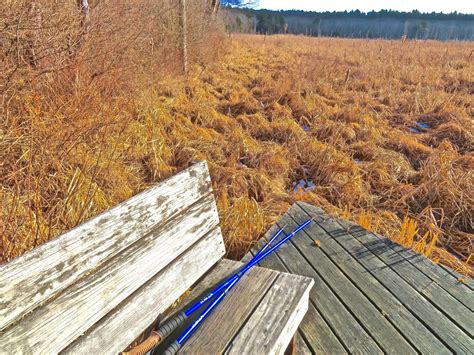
x=98 y=286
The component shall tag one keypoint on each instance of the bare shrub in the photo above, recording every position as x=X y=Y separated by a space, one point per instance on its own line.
x=69 y=75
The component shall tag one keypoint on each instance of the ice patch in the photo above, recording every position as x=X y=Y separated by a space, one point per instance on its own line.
x=306 y=185
x=422 y=125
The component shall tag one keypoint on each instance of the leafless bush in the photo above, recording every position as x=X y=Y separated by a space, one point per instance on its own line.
x=69 y=71
x=46 y=46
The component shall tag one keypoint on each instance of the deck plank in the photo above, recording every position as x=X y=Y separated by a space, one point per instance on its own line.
x=299 y=346
x=456 y=311
x=468 y=282
x=283 y=307
x=386 y=277
x=348 y=330
x=437 y=273
x=408 y=258
x=451 y=335
x=367 y=315
x=407 y=324
x=320 y=337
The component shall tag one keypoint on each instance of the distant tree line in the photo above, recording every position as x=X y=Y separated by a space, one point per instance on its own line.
x=270 y=23
x=374 y=24
x=415 y=14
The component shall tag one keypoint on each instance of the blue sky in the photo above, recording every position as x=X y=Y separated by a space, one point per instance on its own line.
x=464 y=6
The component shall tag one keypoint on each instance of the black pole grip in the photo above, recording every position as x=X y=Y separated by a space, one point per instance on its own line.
x=172 y=349
x=169 y=326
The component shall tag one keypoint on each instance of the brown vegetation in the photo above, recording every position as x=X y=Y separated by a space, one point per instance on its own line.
x=272 y=112
x=70 y=81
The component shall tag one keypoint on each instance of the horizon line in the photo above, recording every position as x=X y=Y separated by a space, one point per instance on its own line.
x=353 y=10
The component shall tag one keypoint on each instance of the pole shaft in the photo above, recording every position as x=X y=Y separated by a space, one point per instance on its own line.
x=207 y=311
x=222 y=286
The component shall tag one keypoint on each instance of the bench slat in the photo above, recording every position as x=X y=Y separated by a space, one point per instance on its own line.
x=112 y=333
x=281 y=311
x=315 y=329
x=73 y=312
x=228 y=318
x=34 y=277
x=221 y=271
x=258 y=294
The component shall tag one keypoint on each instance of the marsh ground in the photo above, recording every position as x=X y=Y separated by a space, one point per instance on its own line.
x=379 y=132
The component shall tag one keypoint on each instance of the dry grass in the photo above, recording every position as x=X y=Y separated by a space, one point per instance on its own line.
x=273 y=111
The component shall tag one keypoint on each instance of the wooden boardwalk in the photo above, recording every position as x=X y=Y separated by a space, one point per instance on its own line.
x=372 y=295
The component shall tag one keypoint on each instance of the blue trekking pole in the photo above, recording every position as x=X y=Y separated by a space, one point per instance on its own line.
x=174 y=347
x=166 y=329
x=223 y=286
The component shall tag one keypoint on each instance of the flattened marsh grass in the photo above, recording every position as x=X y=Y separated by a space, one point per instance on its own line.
x=272 y=112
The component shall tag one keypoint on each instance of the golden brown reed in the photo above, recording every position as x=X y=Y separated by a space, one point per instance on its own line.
x=273 y=111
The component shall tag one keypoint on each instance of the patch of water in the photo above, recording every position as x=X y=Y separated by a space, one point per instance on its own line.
x=420 y=127
x=423 y=125
x=306 y=185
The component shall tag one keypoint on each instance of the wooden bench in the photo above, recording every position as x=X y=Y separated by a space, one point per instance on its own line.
x=96 y=288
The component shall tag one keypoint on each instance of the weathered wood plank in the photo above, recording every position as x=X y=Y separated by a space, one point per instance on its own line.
x=216 y=331
x=406 y=323
x=272 y=325
x=346 y=327
x=448 y=304
x=70 y=314
x=116 y=330
x=369 y=317
x=320 y=337
x=452 y=336
x=313 y=327
x=445 y=302
x=299 y=345
x=467 y=281
x=34 y=277
x=435 y=272
x=221 y=271
x=215 y=334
